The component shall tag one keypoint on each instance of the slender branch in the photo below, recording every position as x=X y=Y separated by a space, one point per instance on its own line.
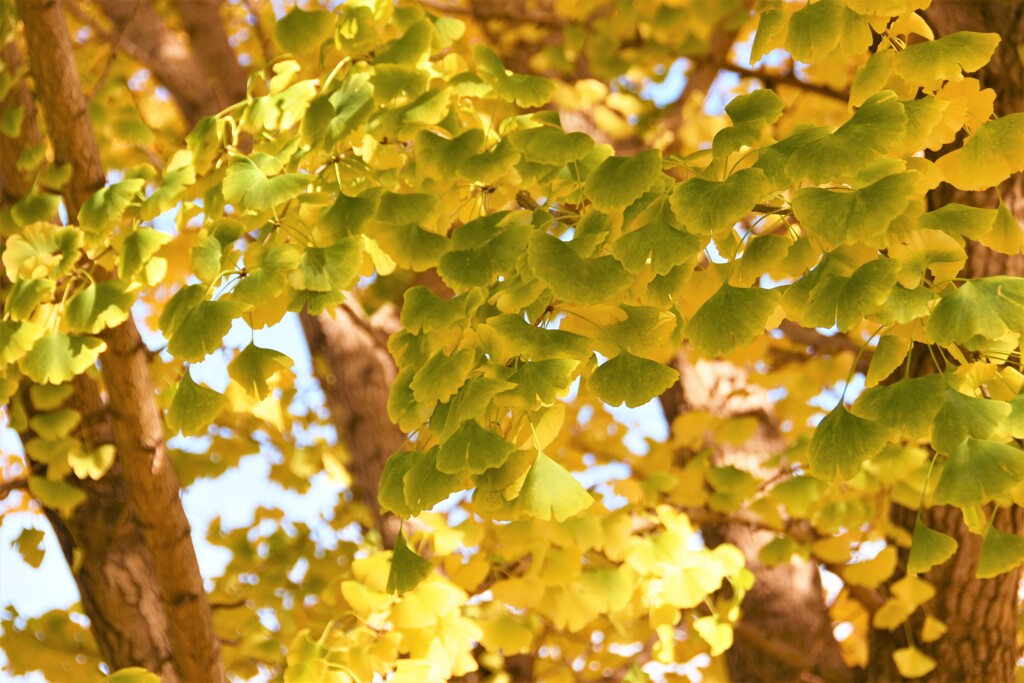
x=817 y=343
x=788 y=655
x=771 y=80
x=115 y=44
x=483 y=11
x=8 y=487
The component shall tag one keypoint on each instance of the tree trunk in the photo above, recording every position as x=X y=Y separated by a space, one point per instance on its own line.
x=786 y=603
x=981 y=644
x=351 y=360
x=151 y=484
x=110 y=562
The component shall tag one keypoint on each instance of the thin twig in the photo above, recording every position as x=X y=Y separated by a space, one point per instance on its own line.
x=770 y=80
x=115 y=45
x=7 y=487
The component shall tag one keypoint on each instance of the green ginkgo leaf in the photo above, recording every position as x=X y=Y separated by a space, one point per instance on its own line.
x=56 y=357
x=426 y=485
x=403 y=408
x=977 y=311
x=707 y=206
x=658 y=240
x=302 y=31
x=254 y=366
x=847 y=217
x=962 y=416
x=550 y=146
x=473 y=449
x=408 y=48
x=54 y=425
x=246 y=186
x=92 y=464
x=620 y=181
x=928 y=549
x=102 y=209
x=977 y=471
x=441 y=376
x=391 y=492
x=509 y=336
x=841 y=442
x=631 y=380
x=733 y=317
x=907 y=406
x=958 y=219
x=991 y=155
x=539 y=383
x=572 y=278
x=550 y=492
x=29 y=545
x=1000 y=552
x=58 y=495
x=137 y=253
x=439 y=157
x=26 y=295
x=202 y=329
x=193 y=407
x=947 y=57
x=876 y=127
x=408 y=569
x=98 y=306
x=16 y=339
x=329 y=269
x=523 y=90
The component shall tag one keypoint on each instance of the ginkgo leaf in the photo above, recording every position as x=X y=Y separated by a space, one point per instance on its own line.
x=408 y=569
x=977 y=471
x=841 y=442
x=550 y=492
x=300 y=31
x=509 y=336
x=254 y=366
x=99 y=211
x=328 y=269
x=962 y=416
x=890 y=353
x=391 y=492
x=978 y=310
x=991 y=155
x=17 y=339
x=441 y=376
x=202 y=329
x=29 y=545
x=847 y=217
x=907 y=406
x=658 y=240
x=26 y=295
x=631 y=380
x=947 y=57
x=814 y=30
x=912 y=663
x=717 y=634
x=193 y=407
x=928 y=549
x=56 y=357
x=540 y=382
x=575 y=279
x=1001 y=552
x=92 y=464
x=619 y=181
x=707 y=206
x=473 y=449
x=58 y=495
x=98 y=306
x=958 y=219
x=551 y=146
x=873 y=572
x=426 y=485
x=410 y=47
x=138 y=250
x=524 y=90
x=878 y=125
x=55 y=424
x=733 y=317
x=248 y=187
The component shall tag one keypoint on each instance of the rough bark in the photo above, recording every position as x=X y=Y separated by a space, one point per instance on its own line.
x=113 y=571
x=151 y=484
x=981 y=644
x=144 y=36
x=786 y=603
x=351 y=360
x=205 y=28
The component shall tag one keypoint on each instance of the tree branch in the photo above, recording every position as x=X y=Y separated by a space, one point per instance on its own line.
x=152 y=486
x=8 y=487
x=772 y=80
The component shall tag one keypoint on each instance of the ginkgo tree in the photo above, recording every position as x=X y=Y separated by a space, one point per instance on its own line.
x=493 y=240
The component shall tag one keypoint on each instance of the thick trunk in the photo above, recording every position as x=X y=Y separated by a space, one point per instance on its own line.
x=151 y=485
x=148 y=40
x=786 y=603
x=205 y=28
x=112 y=566
x=351 y=360
x=981 y=644
x=114 y=570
